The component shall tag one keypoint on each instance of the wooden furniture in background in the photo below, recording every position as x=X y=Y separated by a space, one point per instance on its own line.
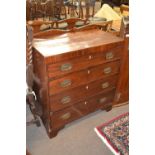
x=87 y=6
x=77 y=74
x=73 y=8
x=114 y=3
x=70 y=23
x=48 y=33
x=59 y=9
x=39 y=25
x=30 y=96
x=81 y=8
x=104 y=25
x=28 y=10
x=124 y=8
x=87 y=27
x=124 y=30
x=122 y=93
x=38 y=10
x=49 y=9
x=29 y=38
x=55 y=32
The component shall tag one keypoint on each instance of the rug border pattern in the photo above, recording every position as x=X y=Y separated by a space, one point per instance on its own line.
x=104 y=138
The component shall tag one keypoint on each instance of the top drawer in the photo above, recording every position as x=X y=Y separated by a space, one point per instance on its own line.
x=83 y=62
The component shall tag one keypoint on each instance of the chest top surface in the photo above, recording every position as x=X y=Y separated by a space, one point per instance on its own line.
x=73 y=41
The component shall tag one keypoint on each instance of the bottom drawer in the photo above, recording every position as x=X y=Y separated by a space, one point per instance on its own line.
x=80 y=109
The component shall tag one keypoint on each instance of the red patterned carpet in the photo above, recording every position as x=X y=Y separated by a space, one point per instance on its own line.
x=115 y=134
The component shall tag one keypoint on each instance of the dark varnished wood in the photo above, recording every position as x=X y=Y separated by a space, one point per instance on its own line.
x=28 y=10
x=75 y=111
x=80 y=53
x=57 y=101
x=124 y=30
x=74 y=41
x=70 y=23
x=122 y=94
x=53 y=132
x=104 y=25
x=87 y=75
x=40 y=86
x=59 y=9
x=36 y=25
x=86 y=52
x=92 y=59
x=54 y=32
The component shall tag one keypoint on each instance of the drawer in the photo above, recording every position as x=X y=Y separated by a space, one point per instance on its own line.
x=83 y=77
x=72 y=96
x=104 y=70
x=67 y=82
x=76 y=111
x=83 y=62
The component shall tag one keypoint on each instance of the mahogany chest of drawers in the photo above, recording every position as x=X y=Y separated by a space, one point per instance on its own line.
x=76 y=73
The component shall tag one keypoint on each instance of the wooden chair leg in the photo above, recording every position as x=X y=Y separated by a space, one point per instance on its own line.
x=80 y=12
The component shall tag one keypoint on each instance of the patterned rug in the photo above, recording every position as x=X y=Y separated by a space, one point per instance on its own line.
x=115 y=134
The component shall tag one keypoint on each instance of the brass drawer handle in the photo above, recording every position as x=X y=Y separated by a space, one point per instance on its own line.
x=109 y=55
x=65 y=99
x=102 y=100
x=66 y=67
x=107 y=70
x=65 y=83
x=105 y=85
x=66 y=116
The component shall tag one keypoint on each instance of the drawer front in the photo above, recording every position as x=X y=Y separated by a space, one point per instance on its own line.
x=67 y=98
x=76 y=111
x=83 y=62
x=104 y=70
x=83 y=77
x=67 y=82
